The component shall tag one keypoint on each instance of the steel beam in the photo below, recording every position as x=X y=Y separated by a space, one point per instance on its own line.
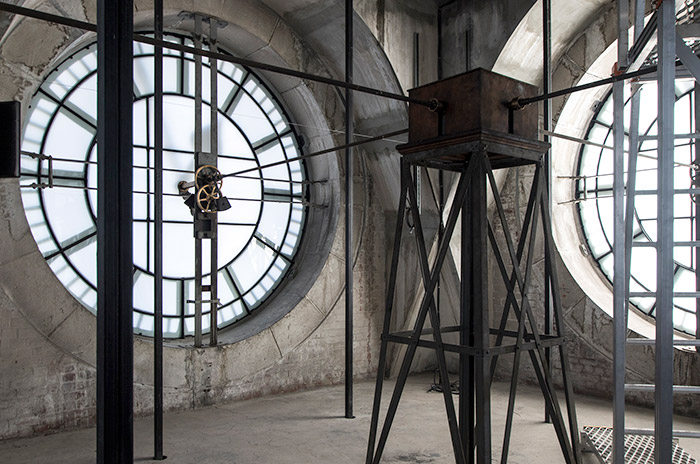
x=547 y=126
x=696 y=203
x=158 y=237
x=620 y=282
x=466 y=338
x=349 y=204
x=198 y=215
x=214 y=153
x=663 y=395
x=453 y=425
x=389 y=306
x=423 y=311
x=479 y=308
x=114 y=233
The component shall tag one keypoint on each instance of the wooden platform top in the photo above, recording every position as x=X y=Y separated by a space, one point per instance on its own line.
x=453 y=151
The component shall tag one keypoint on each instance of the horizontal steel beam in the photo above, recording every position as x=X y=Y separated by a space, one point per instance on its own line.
x=644 y=387
x=676 y=433
x=652 y=342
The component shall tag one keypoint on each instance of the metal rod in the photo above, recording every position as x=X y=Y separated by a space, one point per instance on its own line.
x=158 y=239
x=214 y=218
x=676 y=433
x=320 y=152
x=115 y=372
x=389 y=305
x=478 y=235
x=539 y=193
x=630 y=189
x=663 y=395
x=466 y=335
x=619 y=249
x=197 y=153
x=590 y=85
x=416 y=59
x=570 y=447
x=652 y=342
x=453 y=425
x=530 y=212
x=349 y=204
x=641 y=387
x=220 y=56
x=561 y=332
x=547 y=123
x=696 y=221
x=422 y=312
x=525 y=301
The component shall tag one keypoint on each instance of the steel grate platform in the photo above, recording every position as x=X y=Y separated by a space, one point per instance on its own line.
x=639 y=449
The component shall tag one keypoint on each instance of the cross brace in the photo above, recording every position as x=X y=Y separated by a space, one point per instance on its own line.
x=470 y=422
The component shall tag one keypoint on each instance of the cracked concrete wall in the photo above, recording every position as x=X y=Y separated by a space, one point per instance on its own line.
x=47 y=341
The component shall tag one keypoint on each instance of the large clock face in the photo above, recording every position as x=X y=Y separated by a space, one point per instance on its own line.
x=258 y=236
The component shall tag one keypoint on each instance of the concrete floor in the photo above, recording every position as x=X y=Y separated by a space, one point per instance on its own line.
x=308 y=427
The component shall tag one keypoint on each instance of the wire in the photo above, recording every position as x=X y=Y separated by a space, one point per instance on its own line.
x=437 y=384
x=318 y=153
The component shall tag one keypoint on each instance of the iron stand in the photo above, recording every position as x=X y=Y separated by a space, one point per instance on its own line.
x=475 y=156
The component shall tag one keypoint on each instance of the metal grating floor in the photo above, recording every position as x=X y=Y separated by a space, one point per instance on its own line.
x=639 y=449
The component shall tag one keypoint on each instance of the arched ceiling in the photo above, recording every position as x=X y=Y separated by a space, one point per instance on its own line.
x=521 y=58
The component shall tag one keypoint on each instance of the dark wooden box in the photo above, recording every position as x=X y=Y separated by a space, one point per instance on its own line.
x=476 y=101
x=475 y=118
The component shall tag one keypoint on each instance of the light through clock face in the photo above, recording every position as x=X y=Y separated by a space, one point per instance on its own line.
x=595 y=202
x=258 y=237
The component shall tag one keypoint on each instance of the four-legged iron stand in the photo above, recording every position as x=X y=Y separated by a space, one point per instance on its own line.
x=471 y=434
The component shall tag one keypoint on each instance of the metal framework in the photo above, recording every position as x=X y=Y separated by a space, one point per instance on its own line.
x=669 y=46
x=349 y=205
x=470 y=428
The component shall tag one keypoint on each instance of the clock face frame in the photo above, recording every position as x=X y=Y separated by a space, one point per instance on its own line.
x=593 y=192
x=258 y=237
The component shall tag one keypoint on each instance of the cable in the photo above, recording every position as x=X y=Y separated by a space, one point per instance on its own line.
x=437 y=384
x=318 y=153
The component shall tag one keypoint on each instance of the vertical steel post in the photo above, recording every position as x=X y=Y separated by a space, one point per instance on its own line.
x=197 y=153
x=638 y=15
x=663 y=393
x=619 y=254
x=416 y=83
x=547 y=123
x=441 y=229
x=158 y=237
x=480 y=310
x=466 y=336
x=349 y=196
x=696 y=202
x=115 y=437
x=214 y=149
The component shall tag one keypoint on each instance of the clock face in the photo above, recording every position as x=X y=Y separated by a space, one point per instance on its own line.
x=594 y=187
x=258 y=237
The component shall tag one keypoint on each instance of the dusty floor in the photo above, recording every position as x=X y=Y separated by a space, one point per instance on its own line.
x=308 y=427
